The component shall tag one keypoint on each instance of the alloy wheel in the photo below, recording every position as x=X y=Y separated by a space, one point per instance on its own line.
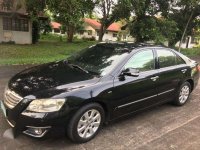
x=184 y=94
x=89 y=123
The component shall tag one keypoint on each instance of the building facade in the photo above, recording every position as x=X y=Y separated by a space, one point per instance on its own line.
x=56 y=27
x=15 y=25
x=92 y=27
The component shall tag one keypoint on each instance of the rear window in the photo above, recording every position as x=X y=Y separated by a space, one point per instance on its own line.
x=166 y=58
x=179 y=60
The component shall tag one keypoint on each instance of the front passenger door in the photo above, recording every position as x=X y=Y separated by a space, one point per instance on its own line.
x=133 y=93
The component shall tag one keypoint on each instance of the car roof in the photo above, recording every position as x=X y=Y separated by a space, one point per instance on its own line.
x=129 y=45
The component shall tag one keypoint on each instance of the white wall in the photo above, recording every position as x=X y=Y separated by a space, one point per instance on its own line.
x=127 y=38
x=108 y=36
x=85 y=34
x=183 y=45
x=18 y=37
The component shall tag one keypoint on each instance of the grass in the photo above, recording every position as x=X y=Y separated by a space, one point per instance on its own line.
x=50 y=48
x=192 y=52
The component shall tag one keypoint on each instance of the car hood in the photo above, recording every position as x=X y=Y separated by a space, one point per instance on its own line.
x=49 y=76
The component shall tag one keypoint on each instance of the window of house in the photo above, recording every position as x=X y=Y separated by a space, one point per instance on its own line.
x=143 y=61
x=7 y=23
x=166 y=58
x=15 y=24
x=97 y=33
x=56 y=30
x=89 y=32
x=81 y=32
x=114 y=34
x=24 y=25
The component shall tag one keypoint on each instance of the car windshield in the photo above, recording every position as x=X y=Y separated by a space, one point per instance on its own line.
x=100 y=58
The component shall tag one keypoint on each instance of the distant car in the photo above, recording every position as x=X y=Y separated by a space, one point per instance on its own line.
x=101 y=83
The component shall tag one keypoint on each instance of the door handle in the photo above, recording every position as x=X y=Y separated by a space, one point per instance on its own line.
x=184 y=70
x=154 y=78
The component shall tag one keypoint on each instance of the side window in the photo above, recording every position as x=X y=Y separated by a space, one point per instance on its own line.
x=179 y=60
x=144 y=61
x=166 y=58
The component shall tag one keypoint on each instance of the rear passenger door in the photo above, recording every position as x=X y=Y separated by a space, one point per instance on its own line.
x=171 y=72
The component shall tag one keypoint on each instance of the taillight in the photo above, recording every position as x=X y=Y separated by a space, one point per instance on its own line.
x=198 y=66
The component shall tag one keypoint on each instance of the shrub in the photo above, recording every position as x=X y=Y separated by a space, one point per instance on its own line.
x=89 y=38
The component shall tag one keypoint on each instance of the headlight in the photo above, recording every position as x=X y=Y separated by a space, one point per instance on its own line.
x=46 y=105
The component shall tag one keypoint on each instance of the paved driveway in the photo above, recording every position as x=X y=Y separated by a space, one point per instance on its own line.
x=164 y=127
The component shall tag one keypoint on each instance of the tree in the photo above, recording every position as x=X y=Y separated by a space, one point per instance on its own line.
x=150 y=22
x=152 y=18
x=150 y=28
x=184 y=13
x=34 y=9
x=70 y=13
x=111 y=11
x=45 y=26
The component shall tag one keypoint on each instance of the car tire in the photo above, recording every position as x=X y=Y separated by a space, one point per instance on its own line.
x=86 y=123
x=183 y=94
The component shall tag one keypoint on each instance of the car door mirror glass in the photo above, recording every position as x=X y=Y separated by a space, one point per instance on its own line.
x=131 y=72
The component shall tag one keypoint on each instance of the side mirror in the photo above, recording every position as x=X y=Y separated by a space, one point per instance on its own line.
x=131 y=72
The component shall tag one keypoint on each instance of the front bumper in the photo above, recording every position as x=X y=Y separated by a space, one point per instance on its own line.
x=32 y=123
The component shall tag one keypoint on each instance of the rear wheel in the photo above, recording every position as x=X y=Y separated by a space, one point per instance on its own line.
x=86 y=123
x=183 y=95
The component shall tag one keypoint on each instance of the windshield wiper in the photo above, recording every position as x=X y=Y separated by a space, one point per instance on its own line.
x=80 y=68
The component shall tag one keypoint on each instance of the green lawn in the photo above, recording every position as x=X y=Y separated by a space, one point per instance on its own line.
x=51 y=48
x=192 y=52
x=47 y=50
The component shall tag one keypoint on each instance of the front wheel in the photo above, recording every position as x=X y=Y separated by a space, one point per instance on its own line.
x=183 y=95
x=86 y=123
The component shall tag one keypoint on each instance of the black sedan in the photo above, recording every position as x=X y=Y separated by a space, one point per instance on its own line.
x=101 y=83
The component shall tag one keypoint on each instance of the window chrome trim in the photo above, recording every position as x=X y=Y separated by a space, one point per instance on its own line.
x=10 y=123
x=143 y=99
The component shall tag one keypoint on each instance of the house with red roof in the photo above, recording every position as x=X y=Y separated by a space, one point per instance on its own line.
x=56 y=27
x=92 y=27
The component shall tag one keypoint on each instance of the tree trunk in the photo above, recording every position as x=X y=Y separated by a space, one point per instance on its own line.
x=179 y=49
x=101 y=33
x=35 y=32
x=187 y=44
x=70 y=34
